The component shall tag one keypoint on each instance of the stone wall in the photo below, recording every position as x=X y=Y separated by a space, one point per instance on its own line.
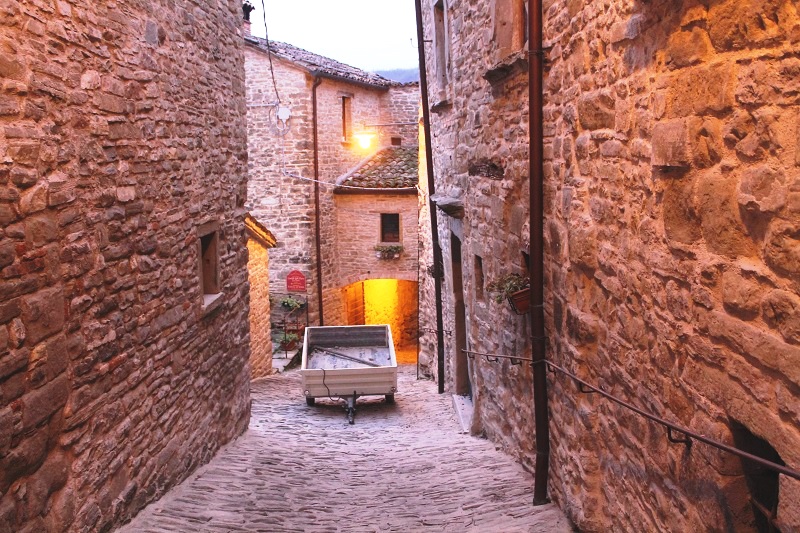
x=405 y=328
x=120 y=135
x=259 y=316
x=400 y=109
x=427 y=293
x=282 y=203
x=672 y=228
x=285 y=202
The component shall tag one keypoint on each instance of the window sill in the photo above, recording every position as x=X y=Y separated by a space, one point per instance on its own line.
x=211 y=302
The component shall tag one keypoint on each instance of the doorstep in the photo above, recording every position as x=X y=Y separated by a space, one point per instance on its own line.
x=464 y=409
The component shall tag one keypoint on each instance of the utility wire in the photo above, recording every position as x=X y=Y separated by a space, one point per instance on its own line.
x=269 y=51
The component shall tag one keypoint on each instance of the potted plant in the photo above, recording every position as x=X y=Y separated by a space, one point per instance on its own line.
x=388 y=251
x=515 y=288
x=291 y=303
x=289 y=341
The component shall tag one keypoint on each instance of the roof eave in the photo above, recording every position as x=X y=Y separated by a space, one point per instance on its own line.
x=260 y=233
x=405 y=191
x=345 y=79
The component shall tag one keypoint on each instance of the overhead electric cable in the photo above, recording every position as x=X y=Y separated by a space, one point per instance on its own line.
x=269 y=50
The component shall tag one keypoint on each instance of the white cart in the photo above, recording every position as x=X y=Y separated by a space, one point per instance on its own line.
x=348 y=362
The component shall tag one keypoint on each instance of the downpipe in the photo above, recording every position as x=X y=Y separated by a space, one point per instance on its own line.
x=438 y=263
x=317 y=82
x=536 y=170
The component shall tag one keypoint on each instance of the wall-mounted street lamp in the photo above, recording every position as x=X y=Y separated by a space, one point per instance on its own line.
x=364 y=139
x=371 y=132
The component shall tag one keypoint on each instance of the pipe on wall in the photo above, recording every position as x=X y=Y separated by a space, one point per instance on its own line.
x=437 y=249
x=536 y=170
x=317 y=82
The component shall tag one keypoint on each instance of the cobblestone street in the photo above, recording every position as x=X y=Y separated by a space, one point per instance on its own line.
x=402 y=467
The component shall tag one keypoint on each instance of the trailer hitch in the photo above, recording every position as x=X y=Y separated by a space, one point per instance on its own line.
x=351 y=407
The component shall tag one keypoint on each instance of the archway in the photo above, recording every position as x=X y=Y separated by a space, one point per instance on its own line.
x=386 y=301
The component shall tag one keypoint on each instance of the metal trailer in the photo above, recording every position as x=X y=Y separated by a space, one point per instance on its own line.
x=348 y=362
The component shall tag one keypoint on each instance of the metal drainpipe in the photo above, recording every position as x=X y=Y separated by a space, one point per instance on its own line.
x=317 y=82
x=437 y=249
x=536 y=168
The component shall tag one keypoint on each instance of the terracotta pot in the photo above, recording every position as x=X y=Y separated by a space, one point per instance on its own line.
x=520 y=301
x=288 y=346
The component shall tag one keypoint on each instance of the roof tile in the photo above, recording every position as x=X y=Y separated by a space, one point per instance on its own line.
x=324 y=65
x=392 y=167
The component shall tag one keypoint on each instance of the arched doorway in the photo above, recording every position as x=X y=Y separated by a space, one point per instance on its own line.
x=386 y=301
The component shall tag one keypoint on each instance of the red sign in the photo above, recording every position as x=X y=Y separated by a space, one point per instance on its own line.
x=296 y=281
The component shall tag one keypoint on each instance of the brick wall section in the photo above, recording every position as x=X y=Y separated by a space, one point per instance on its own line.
x=358 y=226
x=671 y=248
x=259 y=316
x=120 y=133
x=286 y=204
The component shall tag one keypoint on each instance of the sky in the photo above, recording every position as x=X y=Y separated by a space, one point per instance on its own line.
x=368 y=34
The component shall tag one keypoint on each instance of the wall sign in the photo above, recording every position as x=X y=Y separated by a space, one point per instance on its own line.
x=296 y=281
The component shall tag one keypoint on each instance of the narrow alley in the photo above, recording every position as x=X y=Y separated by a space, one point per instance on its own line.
x=402 y=467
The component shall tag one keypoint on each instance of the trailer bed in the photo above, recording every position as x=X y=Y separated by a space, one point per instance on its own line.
x=348 y=362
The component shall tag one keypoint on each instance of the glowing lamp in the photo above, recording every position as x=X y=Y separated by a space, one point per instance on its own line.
x=364 y=139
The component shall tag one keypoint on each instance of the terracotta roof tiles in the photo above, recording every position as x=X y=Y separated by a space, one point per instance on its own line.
x=392 y=167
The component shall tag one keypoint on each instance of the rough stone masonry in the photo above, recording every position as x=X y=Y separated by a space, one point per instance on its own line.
x=123 y=359
x=672 y=215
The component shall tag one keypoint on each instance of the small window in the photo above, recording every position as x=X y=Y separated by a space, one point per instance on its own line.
x=479 y=278
x=347 y=118
x=208 y=247
x=440 y=43
x=397 y=141
x=390 y=227
x=208 y=269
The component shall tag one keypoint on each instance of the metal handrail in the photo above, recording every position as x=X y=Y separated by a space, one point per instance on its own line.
x=495 y=356
x=775 y=467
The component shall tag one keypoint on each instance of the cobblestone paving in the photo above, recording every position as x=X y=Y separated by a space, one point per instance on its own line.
x=402 y=467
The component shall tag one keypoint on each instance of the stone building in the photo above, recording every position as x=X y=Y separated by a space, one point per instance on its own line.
x=672 y=257
x=283 y=85
x=123 y=268
x=259 y=242
x=377 y=244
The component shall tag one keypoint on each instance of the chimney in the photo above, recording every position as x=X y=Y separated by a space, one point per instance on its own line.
x=247 y=8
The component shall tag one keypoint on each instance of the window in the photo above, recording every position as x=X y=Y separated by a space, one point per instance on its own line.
x=347 y=118
x=440 y=43
x=510 y=26
x=208 y=268
x=390 y=227
x=397 y=141
x=479 y=277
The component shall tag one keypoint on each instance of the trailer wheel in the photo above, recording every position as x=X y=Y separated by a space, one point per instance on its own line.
x=390 y=398
x=310 y=401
